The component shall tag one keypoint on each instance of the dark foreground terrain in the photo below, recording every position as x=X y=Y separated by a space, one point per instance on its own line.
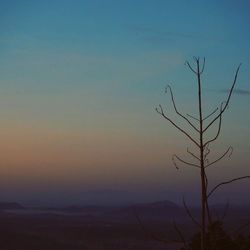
x=103 y=228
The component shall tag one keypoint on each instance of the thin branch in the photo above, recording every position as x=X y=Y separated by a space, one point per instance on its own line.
x=193 y=117
x=210 y=114
x=189 y=213
x=227 y=182
x=203 y=65
x=188 y=64
x=192 y=154
x=219 y=127
x=185 y=162
x=177 y=112
x=196 y=59
x=230 y=149
x=208 y=212
x=161 y=112
x=151 y=234
x=182 y=238
x=206 y=201
x=207 y=152
x=206 y=179
x=174 y=162
x=227 y=101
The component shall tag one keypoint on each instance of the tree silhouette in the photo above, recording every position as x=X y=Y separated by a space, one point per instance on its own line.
x=199 y=159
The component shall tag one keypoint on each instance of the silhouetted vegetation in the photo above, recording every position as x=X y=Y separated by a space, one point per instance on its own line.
x=218 y=239
x=211 y=231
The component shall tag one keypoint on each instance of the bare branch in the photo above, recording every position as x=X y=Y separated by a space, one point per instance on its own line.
x=227 y=182
x=227 y=101
x=210 y=114
x=203 y=65
x=193 y=117
x=206 y=180
x=230 y=150
x=196 y=59
x=174 y=162
x=192 y=154
x=206 y=200
x=190 y=67
x=189 y=213
x=177 y=112
x=185 y=162
x=207 y=152
x=161 y=112
x=182 y=238
x=219 y=127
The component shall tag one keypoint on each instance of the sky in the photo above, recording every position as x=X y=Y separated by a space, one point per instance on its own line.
x=79 y=83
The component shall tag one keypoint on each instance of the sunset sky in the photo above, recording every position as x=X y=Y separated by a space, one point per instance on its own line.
x=79 y=81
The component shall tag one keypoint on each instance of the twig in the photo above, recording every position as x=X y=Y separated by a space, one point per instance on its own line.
x=203 y=65
x=188 y=64
x=161 y=112
x=189 y=213
x=227 y=182
x=180 y=235
x=210 y=114
x=177 y=112
x=219 y=127
x=193 y=117
x=192 y=154
x=185 y=162
x=221 y=157
x=207 y=151
x=227 y=102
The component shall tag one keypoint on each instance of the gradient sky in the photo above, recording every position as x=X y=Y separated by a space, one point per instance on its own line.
x=79 y=81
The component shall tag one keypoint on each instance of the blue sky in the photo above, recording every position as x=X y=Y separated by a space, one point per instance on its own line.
x=79 y=81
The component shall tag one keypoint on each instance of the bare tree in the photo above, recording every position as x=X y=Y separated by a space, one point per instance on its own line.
x=199 y=159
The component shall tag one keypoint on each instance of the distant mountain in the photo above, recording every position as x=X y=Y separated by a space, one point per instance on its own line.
x=150 y=210
x=157 y=208
x=164 y=206
x=158 y=205
x=10 y=205
x=154 y=210
x=81 y=209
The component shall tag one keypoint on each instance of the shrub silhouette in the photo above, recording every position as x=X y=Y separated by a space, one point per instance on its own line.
x=218 y=239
